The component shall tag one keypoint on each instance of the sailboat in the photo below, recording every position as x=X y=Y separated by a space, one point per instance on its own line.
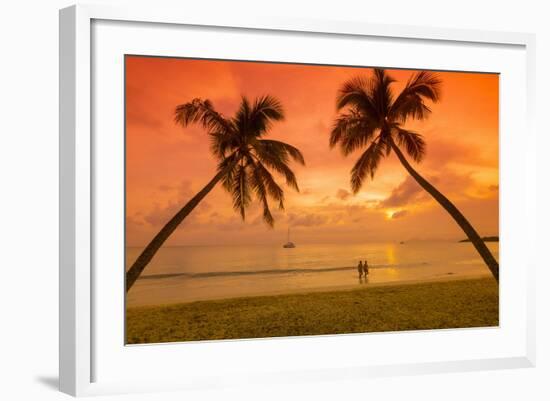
x=289 y=244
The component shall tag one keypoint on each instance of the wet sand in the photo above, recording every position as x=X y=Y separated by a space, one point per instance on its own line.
x=170 y=290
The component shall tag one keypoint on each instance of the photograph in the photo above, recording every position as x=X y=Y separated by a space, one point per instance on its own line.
x=272 y=199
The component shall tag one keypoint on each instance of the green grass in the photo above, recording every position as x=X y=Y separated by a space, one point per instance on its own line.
x=437 y=305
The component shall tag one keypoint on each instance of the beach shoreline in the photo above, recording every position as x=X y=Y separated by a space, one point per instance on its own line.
x=436 y=304
x=149 y=301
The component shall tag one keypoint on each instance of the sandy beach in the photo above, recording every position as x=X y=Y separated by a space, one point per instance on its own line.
x=439 y=303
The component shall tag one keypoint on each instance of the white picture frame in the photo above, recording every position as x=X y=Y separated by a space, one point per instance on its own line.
x=79 y=344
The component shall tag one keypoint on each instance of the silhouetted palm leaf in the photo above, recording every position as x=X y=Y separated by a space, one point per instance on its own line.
x=367 y=164
x=412 y=142
x=229 y=167
x=258 y=184
x=241 y=190
x=356 y=94
x=202 y=111
x=352 y=131
x=283 y=150
x=381 y=91
x=274 y=190
x=422 y=86
x=265 y=110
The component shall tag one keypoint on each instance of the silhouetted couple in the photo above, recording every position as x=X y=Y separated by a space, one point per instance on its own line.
x=363 y=269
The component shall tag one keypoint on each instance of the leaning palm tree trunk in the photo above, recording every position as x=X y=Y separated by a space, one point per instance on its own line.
x=150 y=250
x=471 y=233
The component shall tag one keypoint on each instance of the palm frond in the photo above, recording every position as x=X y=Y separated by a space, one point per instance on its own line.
x=413 y=143
x=421 y=87
x=240 y=190
x=280 y=165
x=268 y=217
x=351 y=131
x=201 y=111
x=381 y=91
x=229 y=167
x=258 y=184
x=367 y=164
x=280 y=148
x=273 y=189
x=222 y=143
x=276 y=157
x=356 y=94
x=260 y=115
x=342 y=124
x=242 y=117
x=426 y=84
x=268 y=106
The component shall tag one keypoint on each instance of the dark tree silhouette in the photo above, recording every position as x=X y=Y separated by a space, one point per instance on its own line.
x=371 y=117
x=246 y=161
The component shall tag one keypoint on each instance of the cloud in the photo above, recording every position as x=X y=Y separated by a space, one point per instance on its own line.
x=399 y=214
x=442 y=151
x=226 y=223
x=161 y=214
x=343 y=194
x=137 y=113
x=132 y=221
x=453 y=185
x=136 y=116
x=306 y=220
x=185 y=190
x=165 y=188
x=405 y=193
x=324 y=199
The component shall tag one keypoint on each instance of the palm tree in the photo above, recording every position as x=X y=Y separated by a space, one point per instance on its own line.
x=371 y=117
x=245 y=159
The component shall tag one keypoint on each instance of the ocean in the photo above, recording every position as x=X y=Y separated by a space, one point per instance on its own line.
x=191 y=273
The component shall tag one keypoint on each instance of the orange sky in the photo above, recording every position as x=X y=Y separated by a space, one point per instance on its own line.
x=167 y=164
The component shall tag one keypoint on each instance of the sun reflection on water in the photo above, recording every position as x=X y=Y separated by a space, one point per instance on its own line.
x=391 y=260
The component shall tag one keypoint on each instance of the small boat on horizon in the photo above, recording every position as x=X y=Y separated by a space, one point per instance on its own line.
x=289 y=244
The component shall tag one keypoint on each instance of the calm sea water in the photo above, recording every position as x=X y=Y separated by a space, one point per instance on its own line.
x=180 y=274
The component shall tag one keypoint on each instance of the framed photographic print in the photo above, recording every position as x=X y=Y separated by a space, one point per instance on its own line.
x=266 y=200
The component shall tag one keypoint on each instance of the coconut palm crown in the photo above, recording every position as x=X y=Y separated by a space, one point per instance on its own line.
x=244 y=156
x=374 y=119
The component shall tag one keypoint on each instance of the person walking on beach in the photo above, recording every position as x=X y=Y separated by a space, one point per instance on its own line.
x=366 y=268
x=360 y=269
